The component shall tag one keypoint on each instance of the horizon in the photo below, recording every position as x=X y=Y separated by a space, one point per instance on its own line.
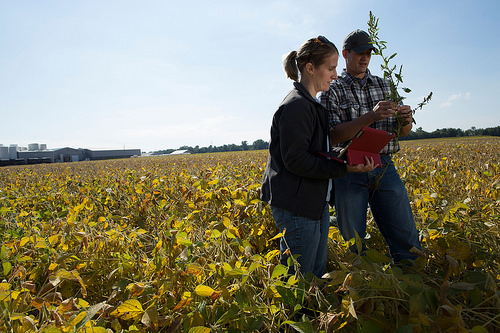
x=201 y=147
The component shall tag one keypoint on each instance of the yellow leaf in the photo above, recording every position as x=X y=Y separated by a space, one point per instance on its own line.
x=199 y=329
x=82 y=265
x=53 y=239
x=239 y=202
x=41 y=244
x=235 y=231
x=204 y=291
x=433 y=234
x=94 y=329
x=158 y=246
x=279 y=235
x=82 y=303
x=226 y=221
x=130 y=309
x=17 y=316
x=23 y=241
x=271 y=254
x=77 y=319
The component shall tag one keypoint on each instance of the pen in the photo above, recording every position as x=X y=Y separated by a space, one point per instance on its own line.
x=349 y=143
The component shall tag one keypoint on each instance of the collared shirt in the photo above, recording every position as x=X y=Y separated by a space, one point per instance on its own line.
x=350 y=97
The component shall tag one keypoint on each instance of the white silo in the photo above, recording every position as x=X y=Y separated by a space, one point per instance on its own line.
x=13 y=152
x=4 y=153
x=43 y=146
x=33 y=146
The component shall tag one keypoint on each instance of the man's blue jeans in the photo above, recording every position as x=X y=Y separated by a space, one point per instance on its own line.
x=304 y=237
x=384 y=191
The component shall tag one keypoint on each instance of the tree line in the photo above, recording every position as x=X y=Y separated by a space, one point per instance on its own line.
x=256 y=145
x=417 y=134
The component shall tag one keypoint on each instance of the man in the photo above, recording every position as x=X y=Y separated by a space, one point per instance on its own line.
x=358 y=99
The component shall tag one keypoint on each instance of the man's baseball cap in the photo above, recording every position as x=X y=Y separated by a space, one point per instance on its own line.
x=358 y=41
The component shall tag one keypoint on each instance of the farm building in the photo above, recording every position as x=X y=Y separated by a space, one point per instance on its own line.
x=40 y=154
x=54 y=155
x=110 y=154
x=180 y=152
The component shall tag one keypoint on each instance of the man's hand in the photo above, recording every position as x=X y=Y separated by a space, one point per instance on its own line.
x=404 y=115
x=368 y=166
x=384 y=109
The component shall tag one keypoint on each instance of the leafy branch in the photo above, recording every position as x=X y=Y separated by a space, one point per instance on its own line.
x=392 y=74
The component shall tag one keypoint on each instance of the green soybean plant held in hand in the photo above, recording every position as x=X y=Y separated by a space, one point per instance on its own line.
x=391 y=73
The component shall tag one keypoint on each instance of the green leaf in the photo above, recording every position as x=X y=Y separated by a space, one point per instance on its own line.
x=335 y=277
x=287 y=295
x=278 y=271
x=462 y=286
x=235 y=272
x=302 y=327
x=368 y=326
x=228 y=316
x=7 y=266
x=377 y=257
x=405 y=329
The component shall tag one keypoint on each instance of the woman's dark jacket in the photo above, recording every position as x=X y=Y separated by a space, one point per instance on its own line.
x=296 y=176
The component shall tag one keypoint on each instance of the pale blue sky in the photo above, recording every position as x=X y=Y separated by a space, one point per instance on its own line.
x=156 y=74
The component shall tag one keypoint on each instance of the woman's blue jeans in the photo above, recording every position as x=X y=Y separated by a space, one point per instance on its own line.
x=385 y=193
x=304 y=237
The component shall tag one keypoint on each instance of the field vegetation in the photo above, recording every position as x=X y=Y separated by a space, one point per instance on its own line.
x=183 y=243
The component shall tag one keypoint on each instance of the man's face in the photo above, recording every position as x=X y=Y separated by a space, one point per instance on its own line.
x=357 y=63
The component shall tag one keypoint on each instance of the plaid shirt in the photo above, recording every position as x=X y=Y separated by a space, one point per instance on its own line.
x=350 y=97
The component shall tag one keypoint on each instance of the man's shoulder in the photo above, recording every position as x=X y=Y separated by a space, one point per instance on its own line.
x=376 y=79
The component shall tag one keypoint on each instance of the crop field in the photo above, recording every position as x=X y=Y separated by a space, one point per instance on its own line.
x=183 y=244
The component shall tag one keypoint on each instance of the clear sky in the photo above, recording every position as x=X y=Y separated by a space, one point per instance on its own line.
x=157 y=74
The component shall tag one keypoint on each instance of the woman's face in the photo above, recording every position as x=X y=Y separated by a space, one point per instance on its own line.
x=325 y=73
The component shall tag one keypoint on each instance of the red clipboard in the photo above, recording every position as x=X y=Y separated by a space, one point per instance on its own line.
x=368 y=142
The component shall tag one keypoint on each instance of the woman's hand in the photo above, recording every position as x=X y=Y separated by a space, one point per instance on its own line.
x=368 y=166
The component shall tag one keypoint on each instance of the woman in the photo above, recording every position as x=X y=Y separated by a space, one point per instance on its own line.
x=297 y=181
